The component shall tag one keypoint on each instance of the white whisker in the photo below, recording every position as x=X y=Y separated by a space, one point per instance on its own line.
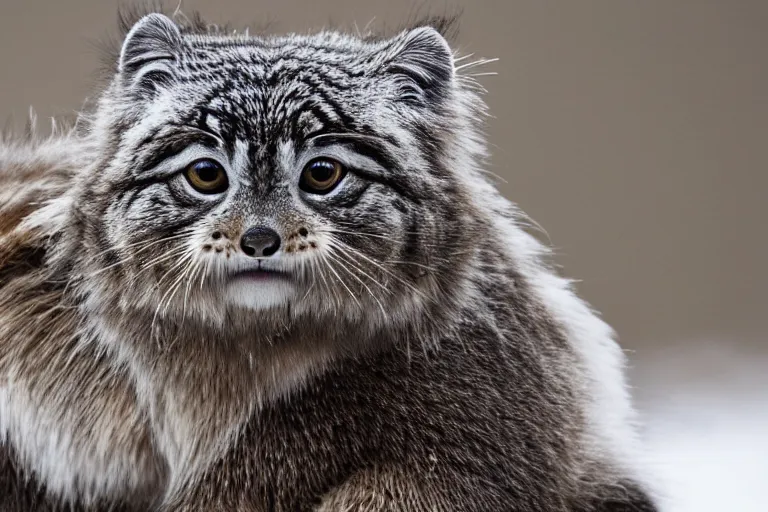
x=370 y=292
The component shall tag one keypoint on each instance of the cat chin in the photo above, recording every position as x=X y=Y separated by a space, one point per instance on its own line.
x=260 y=295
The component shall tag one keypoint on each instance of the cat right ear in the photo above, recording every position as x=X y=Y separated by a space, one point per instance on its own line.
x=149 y=52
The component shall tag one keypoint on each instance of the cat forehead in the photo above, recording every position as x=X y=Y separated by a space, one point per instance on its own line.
x=281 y=87
x=273 y=70
x=329 y=50
x=263 y=89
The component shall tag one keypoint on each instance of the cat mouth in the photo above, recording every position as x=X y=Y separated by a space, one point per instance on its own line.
x=261 y=274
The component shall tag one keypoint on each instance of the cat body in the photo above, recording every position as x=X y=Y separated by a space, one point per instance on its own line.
x=269 y=274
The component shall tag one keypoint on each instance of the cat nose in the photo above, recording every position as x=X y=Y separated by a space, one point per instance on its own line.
x=260 y=241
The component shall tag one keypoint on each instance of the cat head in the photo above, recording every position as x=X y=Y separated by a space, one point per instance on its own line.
x=321 y=174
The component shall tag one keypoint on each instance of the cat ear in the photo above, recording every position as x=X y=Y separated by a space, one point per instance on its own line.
x=422 y=56
x=149 y=51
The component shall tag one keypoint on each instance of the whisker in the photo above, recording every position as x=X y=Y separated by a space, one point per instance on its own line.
x=381 y=267
x=170 y=289
x=371 y=235
x=351 y=294
x=352 y=225
x=476 y=63
x=348 y=258
x=459 y=59
x=197 y=266
x=381 y=306
x=489 y=73
x=131 y=256
x=160 y=259
x=184 y=257
x=325 y=282
x=204 y=274
x=141 y=242
x=308 y=290
x=175 y=286
x=415 y=264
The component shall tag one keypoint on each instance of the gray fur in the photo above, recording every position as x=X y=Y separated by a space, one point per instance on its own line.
x=423 y=355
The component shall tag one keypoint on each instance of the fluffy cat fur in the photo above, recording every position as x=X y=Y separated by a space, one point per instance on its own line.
x=422 y=354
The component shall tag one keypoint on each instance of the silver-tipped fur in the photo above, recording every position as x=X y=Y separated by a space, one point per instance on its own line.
x=399 y=344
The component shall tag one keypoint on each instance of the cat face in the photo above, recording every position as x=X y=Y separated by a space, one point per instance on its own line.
x=302 y=173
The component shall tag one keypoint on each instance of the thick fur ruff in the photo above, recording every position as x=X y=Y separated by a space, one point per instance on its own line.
x=422 y=355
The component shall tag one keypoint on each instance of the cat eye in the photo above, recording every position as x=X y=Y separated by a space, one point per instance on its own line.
x=321 y=175
x=207 y=176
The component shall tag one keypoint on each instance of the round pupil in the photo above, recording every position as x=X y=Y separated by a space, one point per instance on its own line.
x=207 y=171
x=322 y=171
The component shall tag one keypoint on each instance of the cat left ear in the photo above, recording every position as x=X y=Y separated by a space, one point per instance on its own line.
x=423 y=56
x=150 y=50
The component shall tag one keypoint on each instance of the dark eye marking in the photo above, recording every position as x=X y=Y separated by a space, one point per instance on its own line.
x=348 y=199
x=335 y=136
x=166 y=146
x=389 y=174
x=365 y=145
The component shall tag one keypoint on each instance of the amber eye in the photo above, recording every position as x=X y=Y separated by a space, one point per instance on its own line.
x=320 y=176
x=207 y=176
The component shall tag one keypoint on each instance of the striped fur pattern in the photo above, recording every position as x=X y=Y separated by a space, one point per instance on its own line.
x=417 y=352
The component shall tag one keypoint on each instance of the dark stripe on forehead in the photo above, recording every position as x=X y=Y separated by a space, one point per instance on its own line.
x=205 y=123
x=330 y=104
x=313 y=74
x=255 y=101
x=305 y=120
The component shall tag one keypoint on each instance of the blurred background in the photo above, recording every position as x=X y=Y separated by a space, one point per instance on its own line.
x=635 y=133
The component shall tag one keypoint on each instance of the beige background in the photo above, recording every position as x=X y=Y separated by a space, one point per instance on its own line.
x=635 y=132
